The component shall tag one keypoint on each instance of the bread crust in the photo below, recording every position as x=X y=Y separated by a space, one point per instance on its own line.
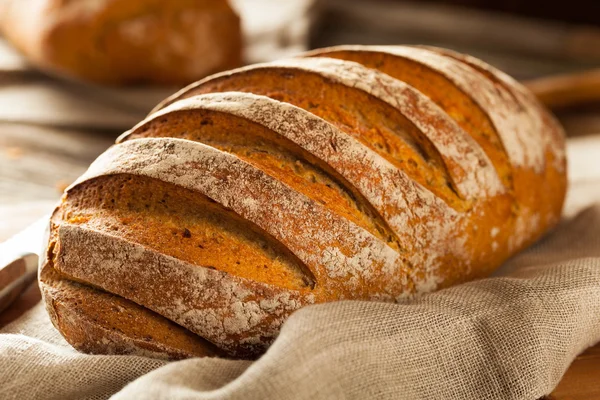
x=97 y=322
x=258 y=191
x=116 y=42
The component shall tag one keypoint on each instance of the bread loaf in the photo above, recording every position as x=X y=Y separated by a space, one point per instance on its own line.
x=371 y=173
x=125 y=42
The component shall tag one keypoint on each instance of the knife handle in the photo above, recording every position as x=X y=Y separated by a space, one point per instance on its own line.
x=569 y=90
x=14 y=278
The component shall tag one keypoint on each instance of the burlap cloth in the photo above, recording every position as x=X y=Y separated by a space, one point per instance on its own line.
x=506 y=337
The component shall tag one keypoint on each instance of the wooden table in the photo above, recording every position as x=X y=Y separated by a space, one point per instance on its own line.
x=37 y=162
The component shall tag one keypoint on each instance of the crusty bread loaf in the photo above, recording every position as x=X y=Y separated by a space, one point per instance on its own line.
x=371 y=173
x=123 y=42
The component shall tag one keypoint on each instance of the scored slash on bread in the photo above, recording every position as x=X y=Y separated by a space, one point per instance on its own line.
x=94 y=319
x=354 y=172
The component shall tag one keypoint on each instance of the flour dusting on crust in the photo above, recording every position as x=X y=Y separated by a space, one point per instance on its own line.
x=519 y=134
x=217 y=306
x=552 y=134
x=469 y=167
x=298 y=222
x=399 y=200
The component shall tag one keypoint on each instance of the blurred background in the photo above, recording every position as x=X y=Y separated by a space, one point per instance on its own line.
x=75 y=74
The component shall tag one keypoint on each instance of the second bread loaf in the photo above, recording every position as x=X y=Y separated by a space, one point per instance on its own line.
x=125 y=42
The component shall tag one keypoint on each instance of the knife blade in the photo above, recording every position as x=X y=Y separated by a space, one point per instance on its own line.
x=19 y=258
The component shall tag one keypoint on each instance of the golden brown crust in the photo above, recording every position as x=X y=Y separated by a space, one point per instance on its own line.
x=272 y=153
x=116 y=42
x=472 y=92
x=377 y=126
x=257 y=191
x=457 y=104
x=97 y=322
x=181 y=224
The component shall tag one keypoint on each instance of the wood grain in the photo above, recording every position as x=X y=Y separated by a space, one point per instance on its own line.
x=582 y=379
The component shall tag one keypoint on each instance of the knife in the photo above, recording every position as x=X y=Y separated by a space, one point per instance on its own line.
x=19 y=258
